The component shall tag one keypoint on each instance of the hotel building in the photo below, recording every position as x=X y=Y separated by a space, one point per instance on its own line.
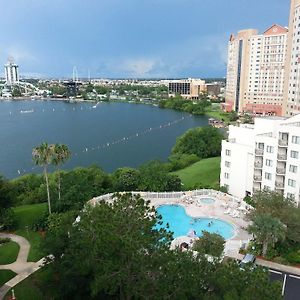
x=187 y=88
x=292 y=78
x=11 y=73
x=263 y=156
x=256 y=71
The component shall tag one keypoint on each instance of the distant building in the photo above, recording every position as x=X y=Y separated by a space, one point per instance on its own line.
x=256 y=71
x=72 y=88
x=11 y=72
x=263 y=156
x=292 y=77
x=214 y=89
x=187 y=88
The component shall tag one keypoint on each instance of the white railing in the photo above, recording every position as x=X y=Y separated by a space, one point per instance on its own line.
x=170 y=195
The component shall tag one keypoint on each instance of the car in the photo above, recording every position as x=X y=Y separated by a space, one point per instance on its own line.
x=249 y=259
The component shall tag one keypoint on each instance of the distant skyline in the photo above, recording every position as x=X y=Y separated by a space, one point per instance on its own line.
x=128 y=38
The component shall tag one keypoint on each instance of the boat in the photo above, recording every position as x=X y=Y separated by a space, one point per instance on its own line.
x=26 y=111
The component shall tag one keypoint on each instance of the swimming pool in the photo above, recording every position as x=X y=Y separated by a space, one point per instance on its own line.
x=207 y=200
x=181 y=223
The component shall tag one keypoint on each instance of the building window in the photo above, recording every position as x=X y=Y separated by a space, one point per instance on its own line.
x=294 y=154
x=290 y=196
x=267 y=188
x=269 y=162
x=293 y=169
x=268 y=176
x=226 y=175
x=291 y=182
x=227 y=164
x=227 y=152
x=226 y=186
x=295 y=139
x=270 y=149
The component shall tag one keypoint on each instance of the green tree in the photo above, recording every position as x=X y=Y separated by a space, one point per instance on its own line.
x=267 y=231
x=115 y=252
x=60 y=156
x=155 y=177
x=203 y=142
x=42 y=156
x=109 y=250
x=284 y=209
x=81 y=185
x=7 y=216
x=210 y=243
x=126 y=179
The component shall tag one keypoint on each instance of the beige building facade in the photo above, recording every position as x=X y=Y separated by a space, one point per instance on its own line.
x=256 y=71
x=187 y=88
x=292 y=78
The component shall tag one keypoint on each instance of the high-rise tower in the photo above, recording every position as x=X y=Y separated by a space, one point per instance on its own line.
x=292 y=77
x=11 y=72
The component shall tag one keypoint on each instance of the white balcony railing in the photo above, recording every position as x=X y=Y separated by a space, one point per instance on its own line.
x=283 y=143
x=281 y=156
x=280 y=170
x=259 y=151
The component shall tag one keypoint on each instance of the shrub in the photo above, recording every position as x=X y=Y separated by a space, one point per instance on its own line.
x=4 y=240
x=293 y=257
x=40 y=223
x=280 y=260
x=210 y=243
x=181 y=161
x=7 y=219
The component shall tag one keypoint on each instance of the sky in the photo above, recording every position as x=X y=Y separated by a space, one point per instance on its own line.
x=128 y=38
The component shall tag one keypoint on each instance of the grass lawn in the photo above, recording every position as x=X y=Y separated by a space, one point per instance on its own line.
x=205 y=172
x=31 y=288
x=6 y=275
x=27 y=214
x=218 y=114
x=8 y=253
x=34 y=238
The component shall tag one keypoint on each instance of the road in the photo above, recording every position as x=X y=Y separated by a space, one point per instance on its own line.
x=290 y=284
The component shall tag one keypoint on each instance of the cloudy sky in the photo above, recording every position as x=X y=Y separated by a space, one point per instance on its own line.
x=128 y=38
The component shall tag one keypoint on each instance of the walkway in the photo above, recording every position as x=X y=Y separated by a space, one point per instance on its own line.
x=270 y=264
x=21 y=267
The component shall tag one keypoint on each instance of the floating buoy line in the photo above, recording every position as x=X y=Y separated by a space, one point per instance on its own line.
x=85 y=150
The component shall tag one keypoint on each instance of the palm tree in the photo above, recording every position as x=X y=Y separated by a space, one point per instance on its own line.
x=267 y=230
x=42 y=156
x=61 y=155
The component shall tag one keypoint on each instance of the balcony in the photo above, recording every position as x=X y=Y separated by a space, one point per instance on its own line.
x=259 y=152
x=279 y=185
x=256 y=189
x=281 y=156
x=258 y=165
x=283 y=143
x=280 y=171
x=257 y=177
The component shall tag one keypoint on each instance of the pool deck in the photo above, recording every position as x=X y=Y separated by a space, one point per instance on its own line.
x=214 y=210
x=225 y=207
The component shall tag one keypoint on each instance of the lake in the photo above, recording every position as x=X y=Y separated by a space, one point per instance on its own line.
x=111 y=135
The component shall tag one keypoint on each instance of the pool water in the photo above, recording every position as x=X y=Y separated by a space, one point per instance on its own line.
x=207 y=200
x=180 y=223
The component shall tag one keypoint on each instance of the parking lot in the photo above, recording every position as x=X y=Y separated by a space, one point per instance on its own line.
x=290 y=284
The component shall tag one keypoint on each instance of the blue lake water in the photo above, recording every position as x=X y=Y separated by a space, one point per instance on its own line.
x=111 y=135
x=180 y=223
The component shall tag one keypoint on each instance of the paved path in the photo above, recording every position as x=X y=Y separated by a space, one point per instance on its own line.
x=21 y=267
x=270 y=265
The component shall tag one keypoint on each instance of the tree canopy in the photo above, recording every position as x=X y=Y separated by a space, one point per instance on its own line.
x=116 y=252
x=210 y=243
x=203 y=142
